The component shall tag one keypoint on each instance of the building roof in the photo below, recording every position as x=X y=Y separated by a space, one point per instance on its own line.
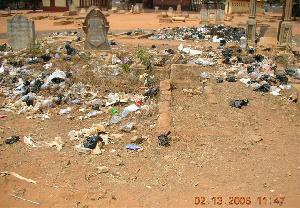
x=247 y=0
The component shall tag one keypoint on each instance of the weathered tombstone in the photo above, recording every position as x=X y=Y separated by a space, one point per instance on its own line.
x=8 y=10
x=204 y=15
x=20 y=32
x=96 y=27
x=90 y=9
x=131 y=10
x=285 y=28
x=178 y=11
x=243 y=43
x=156 y=9
x=219 y=15
x=251 y=25
x=170 y=10
x=82 y=11
x=72 y=8
x=114 y=9
x=285 y=34
x=136 y=9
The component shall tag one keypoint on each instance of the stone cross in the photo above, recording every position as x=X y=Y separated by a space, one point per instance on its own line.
x=20 y=32
x=252 y=9
x=96 y=27
x=156 y=9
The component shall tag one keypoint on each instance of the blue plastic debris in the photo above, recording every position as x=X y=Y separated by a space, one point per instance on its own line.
x=132 y=147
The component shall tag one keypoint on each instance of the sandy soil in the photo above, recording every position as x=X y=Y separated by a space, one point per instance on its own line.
x=249 y=154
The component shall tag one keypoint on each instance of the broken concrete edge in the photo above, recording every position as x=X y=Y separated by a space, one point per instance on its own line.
x=164 y=120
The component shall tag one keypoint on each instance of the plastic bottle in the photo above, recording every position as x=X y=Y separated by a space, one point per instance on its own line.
x=125 y=112
x=92 y=114
x=139 y=102
x=114 y=111
x=115 y=119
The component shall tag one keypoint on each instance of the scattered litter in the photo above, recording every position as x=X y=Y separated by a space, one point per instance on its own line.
x=114 y=111
x=132 y=147
x=238 y=103
x=219 y=79
x=29 y=141
x=58 y=143
x=92 y=142
x=289 y=71
x=12 y=140
x=282 y=78
x=81 y=149
x=18 y=176
x=163 y=139
x=263 y=88
x=152 y=91
x=65 y=111
x=275 y=90
x=3 y=116
x=230 y=79
x=115 y=119
x=127 y=127
x=24 y=199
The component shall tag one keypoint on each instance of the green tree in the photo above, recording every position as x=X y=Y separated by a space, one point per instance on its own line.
x=33 y=3
x=4 y=3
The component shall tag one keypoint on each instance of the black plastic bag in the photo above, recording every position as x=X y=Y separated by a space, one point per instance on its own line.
x=263 y=88
x=163 y=139
x=230 y=79
x=92 y=142
x=12 y=140
x=238 y=103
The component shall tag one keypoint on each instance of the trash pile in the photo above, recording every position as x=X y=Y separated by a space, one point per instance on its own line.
x=208 y=32
x=45 y=80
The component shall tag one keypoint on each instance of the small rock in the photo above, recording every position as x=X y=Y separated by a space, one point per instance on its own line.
x=102 y=169
x=255 y=138
x=136 y=140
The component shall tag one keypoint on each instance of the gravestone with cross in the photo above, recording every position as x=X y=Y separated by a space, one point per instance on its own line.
x=96 y=28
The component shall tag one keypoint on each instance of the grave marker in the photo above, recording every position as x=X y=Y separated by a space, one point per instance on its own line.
x=20 y=32
x=96 y=27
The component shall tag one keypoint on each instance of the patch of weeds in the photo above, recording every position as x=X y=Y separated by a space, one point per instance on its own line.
x=35 y=49
x=125 y=67
x=145 y=58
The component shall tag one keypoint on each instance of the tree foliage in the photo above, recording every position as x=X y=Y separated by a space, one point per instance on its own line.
x=33 y=3
x=4 y=3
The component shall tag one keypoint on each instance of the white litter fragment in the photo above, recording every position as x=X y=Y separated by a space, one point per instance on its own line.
x=56 y=74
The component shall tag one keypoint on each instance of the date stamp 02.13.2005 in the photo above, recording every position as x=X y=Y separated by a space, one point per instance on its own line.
x=239 y=200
